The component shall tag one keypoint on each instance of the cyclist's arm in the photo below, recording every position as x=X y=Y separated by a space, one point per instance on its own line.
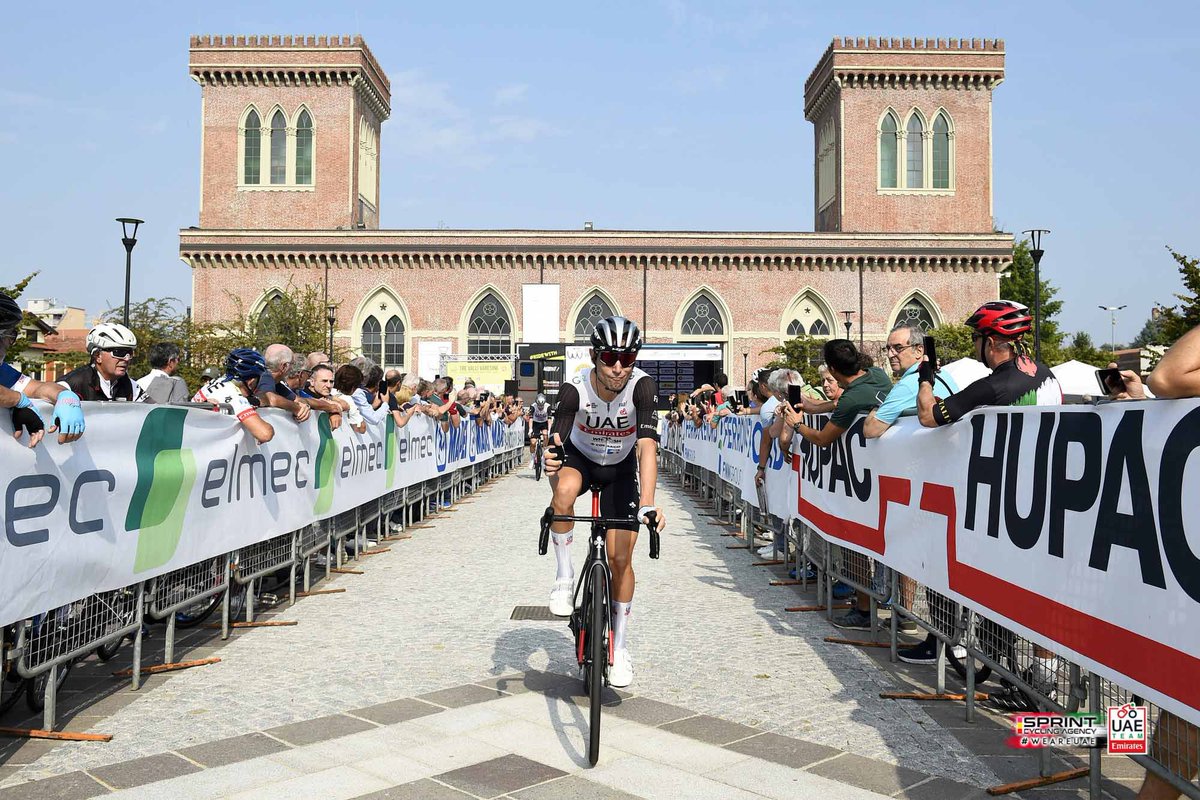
x=564 y=412
x=9 y=398
x=644 y=396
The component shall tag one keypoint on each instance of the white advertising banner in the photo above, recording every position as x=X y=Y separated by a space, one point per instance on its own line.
x=539 y=312
x=149 y=489
x=1077 y=527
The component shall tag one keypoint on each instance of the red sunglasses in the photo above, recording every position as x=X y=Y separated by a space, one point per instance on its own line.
x=609 y=358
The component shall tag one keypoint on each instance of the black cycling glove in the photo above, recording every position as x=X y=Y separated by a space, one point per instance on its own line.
x=926 y=371
x=27 y=419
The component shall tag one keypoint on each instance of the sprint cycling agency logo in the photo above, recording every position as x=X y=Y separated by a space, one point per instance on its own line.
x=327 y=453
x=166 y=473
x=1123 y=728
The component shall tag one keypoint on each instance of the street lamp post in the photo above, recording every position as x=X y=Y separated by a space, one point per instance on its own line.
x=331 y=315
x=745 y=369
x=1112 y=315
x=849 y=324
x=129 y=227
x=1036 y=252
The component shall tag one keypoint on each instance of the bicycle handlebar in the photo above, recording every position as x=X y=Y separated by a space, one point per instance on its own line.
x=550 y=517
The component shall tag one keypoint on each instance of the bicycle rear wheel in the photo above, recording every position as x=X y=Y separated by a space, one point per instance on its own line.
x=598 y=656
x=537 y=462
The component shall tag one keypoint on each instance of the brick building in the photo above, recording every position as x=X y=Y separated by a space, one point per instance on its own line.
x=902 y=190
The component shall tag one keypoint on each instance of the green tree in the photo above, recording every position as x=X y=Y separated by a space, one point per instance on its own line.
x=1017 y=285
x=1151 y=333
x=953 y=342
x=153 y=320
x=22 y=342
x=1177 y=320
x=1084 y=350
x=803 y=354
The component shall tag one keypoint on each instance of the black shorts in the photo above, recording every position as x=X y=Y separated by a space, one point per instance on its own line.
x=619 y=493
x=536 y=429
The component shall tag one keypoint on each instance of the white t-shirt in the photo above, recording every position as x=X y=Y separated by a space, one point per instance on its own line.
x=352 y=414
x=226 y=390
x=766 y=412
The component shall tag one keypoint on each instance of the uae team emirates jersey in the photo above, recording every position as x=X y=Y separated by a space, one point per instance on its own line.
x=606 y=431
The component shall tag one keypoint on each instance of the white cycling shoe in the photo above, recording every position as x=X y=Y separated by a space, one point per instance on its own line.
x=562 y=598
x=620 y=674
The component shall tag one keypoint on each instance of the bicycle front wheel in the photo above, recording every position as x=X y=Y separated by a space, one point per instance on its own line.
x=537 y=462
x=598 y=656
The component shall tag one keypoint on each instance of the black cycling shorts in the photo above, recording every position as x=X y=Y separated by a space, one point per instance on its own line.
x=619 y=493
x=536 y=429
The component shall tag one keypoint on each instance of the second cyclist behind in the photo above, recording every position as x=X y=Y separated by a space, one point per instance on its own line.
x=605 y=434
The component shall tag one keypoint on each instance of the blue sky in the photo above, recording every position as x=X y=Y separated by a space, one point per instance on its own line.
x=651 y=115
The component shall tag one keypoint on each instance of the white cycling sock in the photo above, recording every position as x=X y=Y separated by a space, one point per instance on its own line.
x=620 y=620
x=562 y=555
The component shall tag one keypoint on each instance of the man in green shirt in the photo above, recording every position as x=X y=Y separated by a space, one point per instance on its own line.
x=864 y=388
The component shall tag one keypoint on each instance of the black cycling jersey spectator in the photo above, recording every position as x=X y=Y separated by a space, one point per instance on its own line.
x=106 y=377
x=161 y=384
x=1016 y=380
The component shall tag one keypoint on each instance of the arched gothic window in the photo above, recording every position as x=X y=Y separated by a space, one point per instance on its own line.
x=889 y=152
x=941 y=152
x=278 y=148
x=826 y=164
x=304 y=149
x=489 y=331
x=594 y=309
x=914 y=161
x=915 y=312
x=252 y=149
x=808 y=318
x=393 y=343
x=372 y=344
x=702 y=318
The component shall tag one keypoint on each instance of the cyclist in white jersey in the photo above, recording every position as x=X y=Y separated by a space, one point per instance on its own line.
x=538 y=416
x=605 y=434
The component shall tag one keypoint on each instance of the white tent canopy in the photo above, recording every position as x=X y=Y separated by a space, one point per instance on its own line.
x=1077 y=378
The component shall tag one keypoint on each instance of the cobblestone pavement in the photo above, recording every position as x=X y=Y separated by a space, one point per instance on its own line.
x=708 y=634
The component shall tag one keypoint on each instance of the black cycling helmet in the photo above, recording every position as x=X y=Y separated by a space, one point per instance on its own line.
x=618 y=334
x=10 y=316
x=243 y=364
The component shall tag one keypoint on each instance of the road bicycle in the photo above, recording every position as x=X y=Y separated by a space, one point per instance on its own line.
x=537 y=459
x=590 y=622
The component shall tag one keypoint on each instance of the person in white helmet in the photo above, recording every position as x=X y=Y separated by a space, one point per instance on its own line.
x=605 y=433
x=110 y=346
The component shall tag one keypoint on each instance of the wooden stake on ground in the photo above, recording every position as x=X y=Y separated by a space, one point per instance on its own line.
x=397 y=538
x=172 y=667
x=311 y=592
x=979 y=696
x=776 y=562
x=836 y=607
x=856 y=642
x=376 y=551
x=60 y=736
x=346 y=571
x=737 y=547
x=267 y=623
x=1033 y=783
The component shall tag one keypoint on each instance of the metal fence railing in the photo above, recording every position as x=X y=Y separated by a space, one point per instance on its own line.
x=978 y=649
x=37 y=654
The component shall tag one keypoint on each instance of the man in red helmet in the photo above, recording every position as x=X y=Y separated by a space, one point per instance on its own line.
x=1016 y=380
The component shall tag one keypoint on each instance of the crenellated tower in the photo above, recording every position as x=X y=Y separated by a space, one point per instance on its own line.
x=289 y=131
x=904 y=134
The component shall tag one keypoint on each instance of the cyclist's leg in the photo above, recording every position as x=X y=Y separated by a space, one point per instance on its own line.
x=620 y=499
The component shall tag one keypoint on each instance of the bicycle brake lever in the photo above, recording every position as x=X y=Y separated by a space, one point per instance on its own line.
x=544 y=537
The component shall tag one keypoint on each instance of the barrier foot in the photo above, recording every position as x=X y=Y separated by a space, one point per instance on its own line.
x=979 y=696
x=171 y=667
x=319 y=591
x=267 y=623
x=346 y=571
x=836 y=607
x=737 y=547
x=376 y=551
x=771 y=563
x=733 y=533
x=399 y=538
x=1033 y=783
x=59 y=736
x=790 y=582
x=856 y=642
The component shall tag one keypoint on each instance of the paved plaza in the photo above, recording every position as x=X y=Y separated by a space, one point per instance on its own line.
x=415 y=682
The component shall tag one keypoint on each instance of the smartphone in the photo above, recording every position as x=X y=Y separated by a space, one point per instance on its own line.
x=795 y=393
x=383 y=387
x=740 y=394
x=1110 y=380
x=931 y=351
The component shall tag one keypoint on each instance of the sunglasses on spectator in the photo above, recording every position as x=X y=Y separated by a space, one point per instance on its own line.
x=119 y=352
x=609 y=358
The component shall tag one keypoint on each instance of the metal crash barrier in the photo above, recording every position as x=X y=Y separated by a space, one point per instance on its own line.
x=37 y=654
x=975 y=647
